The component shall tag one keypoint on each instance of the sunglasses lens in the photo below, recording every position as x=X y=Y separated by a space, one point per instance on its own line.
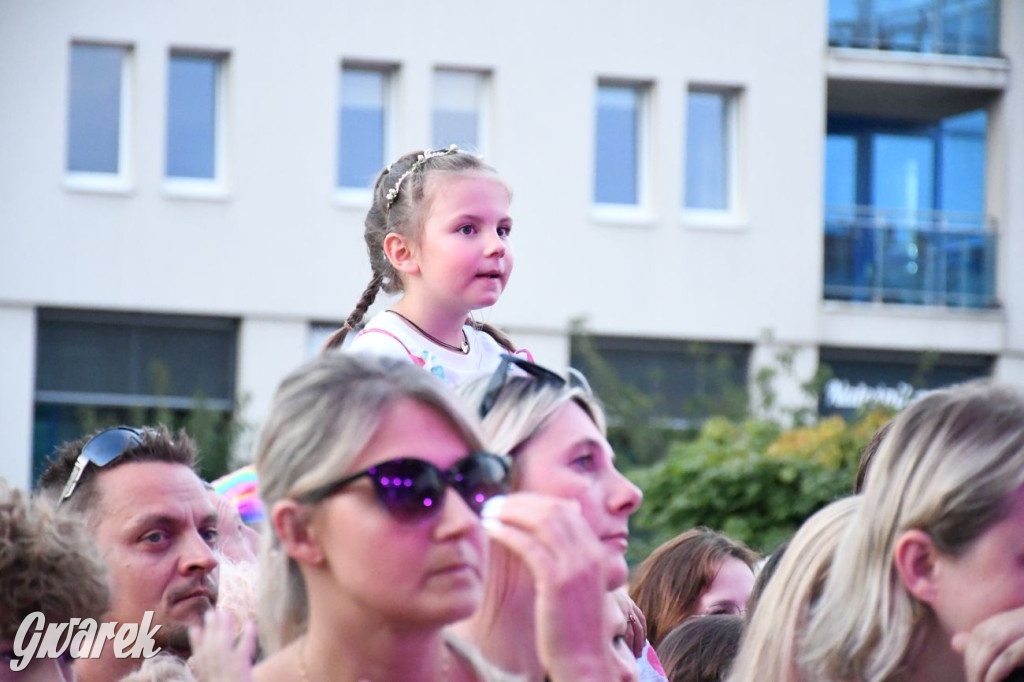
x=410 y=489
x=109 y=445
x=478 y=478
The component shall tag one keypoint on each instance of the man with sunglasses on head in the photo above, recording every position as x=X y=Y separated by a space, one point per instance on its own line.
x=156 y=526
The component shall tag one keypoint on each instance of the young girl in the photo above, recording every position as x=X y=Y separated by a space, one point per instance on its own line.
x=698 y=572
x=438 y=232
x=373 y=479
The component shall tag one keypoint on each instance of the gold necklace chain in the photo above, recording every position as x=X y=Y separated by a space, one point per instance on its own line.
x=464 y=348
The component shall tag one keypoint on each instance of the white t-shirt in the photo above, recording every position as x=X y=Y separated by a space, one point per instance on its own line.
x=388 y=334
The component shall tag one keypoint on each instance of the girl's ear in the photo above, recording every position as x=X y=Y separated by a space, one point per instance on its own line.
x=915 y=557
x=399 y=251
x=292 y=522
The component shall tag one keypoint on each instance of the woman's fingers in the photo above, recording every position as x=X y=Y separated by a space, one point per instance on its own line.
x=994 y=648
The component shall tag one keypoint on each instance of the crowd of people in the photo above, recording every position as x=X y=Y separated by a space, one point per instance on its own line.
x=427 y=503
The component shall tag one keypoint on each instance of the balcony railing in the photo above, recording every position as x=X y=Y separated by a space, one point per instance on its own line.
x=915 y=257
x=962 y=27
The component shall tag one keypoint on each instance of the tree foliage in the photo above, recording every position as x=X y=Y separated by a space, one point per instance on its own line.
x=752 y=480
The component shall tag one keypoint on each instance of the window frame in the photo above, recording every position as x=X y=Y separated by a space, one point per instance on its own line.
x=215 y=187
x=732 y=214
x=363 y=196
x=639 y=212
x=91 y=181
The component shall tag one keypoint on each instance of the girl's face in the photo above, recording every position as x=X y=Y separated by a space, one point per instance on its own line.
x=986 y=579
x=427 y=572
x=729 y=591
x=569 y=458
x=463 y=255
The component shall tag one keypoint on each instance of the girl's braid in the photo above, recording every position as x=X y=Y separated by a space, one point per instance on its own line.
x=365 y=301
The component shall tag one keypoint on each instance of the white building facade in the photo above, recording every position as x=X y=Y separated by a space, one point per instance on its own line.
x=183 y=185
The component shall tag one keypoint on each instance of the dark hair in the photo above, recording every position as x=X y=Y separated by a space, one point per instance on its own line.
x=764 y=575
x=868 y=454
x=701 y=649
x=403 y=214
x=157 y=445
x=671 y=581
x=48 y=563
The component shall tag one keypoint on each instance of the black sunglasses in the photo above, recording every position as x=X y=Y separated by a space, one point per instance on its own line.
x=101 y=450
x=501 y=375
x=412 y=489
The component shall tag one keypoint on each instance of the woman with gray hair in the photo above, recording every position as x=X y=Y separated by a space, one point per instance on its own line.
x=373 y=478
x=935 y=551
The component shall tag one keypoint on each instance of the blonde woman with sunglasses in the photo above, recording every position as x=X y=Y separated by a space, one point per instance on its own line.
x=373 y=478
x=543 y=613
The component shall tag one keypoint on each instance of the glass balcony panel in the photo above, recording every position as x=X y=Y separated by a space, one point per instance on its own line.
x=965 y=27
x=934 y=258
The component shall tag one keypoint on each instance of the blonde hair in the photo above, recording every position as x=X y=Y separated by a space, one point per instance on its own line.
x=522 y=409
x=770 y=642
x=322 y=417
x=946 y=467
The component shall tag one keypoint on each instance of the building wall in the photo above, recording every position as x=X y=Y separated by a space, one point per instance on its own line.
x=281 y=250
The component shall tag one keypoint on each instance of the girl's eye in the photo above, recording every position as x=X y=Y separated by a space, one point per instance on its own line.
x=466 y=229
x=504 y=230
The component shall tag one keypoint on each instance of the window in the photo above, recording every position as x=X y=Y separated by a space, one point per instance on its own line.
x=710 y=182
x=96 y=369
x=458 y=114
x=683 y=382
x=904 y=214
x=620 y=143
x=194 y=111
x=97 y=115
x=363 y=122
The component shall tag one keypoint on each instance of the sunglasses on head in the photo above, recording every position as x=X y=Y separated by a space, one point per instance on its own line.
x=542 y=374
x=101 y=450
x=412 y=489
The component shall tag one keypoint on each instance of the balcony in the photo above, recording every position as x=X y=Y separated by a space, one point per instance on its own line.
x=952 y=27
x=936 y=258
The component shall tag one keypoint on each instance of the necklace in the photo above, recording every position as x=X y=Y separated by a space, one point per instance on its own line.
x=464 y=348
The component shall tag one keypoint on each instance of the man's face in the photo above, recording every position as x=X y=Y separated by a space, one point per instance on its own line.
x=157 y=527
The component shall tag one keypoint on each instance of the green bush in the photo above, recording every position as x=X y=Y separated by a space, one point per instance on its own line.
x=752 y=480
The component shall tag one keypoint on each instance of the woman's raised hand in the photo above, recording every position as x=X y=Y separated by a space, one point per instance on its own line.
x=994 y=649
x=567 y=561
